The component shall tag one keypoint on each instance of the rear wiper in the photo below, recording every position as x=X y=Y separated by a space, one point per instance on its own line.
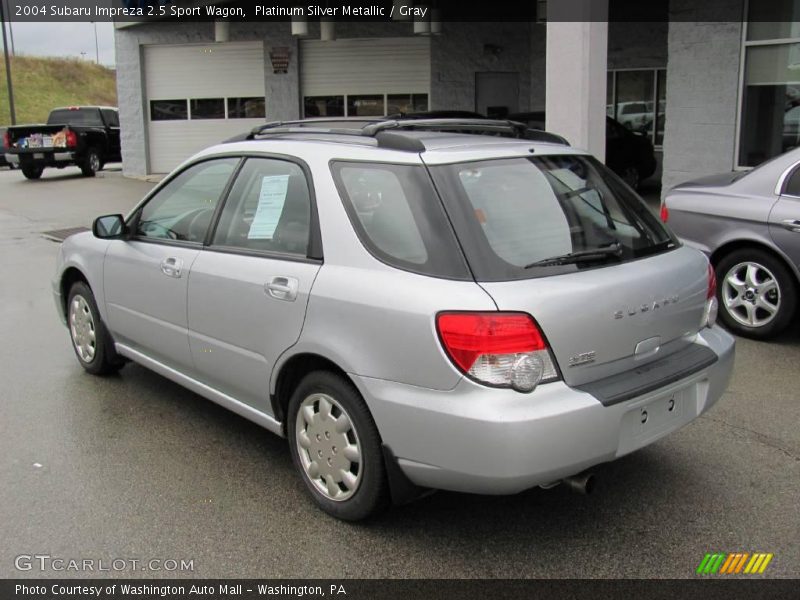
x=592 y=254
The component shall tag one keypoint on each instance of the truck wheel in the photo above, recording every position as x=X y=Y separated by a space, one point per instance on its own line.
x=32 y=172
x=92 y=163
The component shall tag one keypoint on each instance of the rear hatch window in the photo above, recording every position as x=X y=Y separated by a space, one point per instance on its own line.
x=528 y=217
x=75 y=116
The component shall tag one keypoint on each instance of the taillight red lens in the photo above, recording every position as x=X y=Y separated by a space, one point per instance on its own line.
x=468 y=335
x=72 y=139
x=664 y=213
x=6 y=140
x=712 y=283
x=496 y=348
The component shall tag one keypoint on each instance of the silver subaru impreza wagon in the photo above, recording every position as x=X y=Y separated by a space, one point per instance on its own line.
x=412 y=306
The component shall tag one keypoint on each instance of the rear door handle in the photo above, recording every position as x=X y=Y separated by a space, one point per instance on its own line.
x=172 y=267
x=791 y=225
x=282 y=288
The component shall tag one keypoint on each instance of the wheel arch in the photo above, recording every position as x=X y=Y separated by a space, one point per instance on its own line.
x=733 y=245
x=291 y=372
x=70 y=277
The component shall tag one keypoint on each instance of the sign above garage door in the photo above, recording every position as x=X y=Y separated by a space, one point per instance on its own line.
x=198 y=95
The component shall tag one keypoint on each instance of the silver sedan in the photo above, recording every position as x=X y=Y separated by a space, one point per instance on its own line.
x=748 y=223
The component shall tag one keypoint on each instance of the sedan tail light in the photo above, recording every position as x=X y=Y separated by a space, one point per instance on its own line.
x=712 y=305
x=664 y=215
x=501 y=349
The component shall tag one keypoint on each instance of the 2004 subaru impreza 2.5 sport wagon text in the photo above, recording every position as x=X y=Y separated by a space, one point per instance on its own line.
x=412 y=309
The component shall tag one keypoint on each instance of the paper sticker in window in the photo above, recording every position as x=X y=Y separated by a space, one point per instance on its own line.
x=270 y=206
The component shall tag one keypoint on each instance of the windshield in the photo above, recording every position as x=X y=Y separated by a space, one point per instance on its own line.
x=514 y=213
x=75 y=116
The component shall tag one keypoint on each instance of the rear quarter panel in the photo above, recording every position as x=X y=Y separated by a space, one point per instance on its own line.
x=708 y=221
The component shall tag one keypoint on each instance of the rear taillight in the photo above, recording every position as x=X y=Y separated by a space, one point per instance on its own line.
x=71 y=138
x=664 y=213
x=712 y=306
x=496 y=348
x=6 y=140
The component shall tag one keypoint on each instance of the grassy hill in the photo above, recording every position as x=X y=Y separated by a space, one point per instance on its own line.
x=41 y=84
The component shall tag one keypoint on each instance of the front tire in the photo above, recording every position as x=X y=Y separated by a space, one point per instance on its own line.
x=92 y=163
x=90 y=338
x=32 y=172
x=756 y=292
x=336 y=447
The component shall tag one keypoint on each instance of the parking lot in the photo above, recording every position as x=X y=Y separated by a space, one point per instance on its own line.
x=134 y=466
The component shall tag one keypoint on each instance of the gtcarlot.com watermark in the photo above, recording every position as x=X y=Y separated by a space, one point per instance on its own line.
x=46 y=562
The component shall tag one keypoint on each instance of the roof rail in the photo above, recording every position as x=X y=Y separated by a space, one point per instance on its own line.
x=388 y=132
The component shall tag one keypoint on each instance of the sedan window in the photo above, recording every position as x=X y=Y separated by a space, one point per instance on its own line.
x=183 y=208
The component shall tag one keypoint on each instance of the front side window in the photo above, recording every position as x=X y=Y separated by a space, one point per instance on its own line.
x=182 y=210
x=399 y=218
x=514 y=216
x=268 y=209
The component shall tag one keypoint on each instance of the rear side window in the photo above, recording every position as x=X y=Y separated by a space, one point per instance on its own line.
x=512 y=213
x=399 y=218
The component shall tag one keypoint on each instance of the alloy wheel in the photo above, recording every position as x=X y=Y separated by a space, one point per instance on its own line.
x=751 y=294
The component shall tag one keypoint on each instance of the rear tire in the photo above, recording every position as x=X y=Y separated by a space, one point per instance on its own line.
x=90 y=339
x=336 y=447
x=32 y=172
x=92 y=163
x=757 y=294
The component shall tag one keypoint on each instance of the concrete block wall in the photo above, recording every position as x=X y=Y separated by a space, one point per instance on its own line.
x=460 y=52
x=702 y=89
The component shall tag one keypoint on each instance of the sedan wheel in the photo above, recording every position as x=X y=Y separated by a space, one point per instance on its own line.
x=756 y=293
x=90 y=339
x=328 y=448
x=82 y=329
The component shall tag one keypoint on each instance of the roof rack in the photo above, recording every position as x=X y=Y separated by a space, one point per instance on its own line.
x=387 y=132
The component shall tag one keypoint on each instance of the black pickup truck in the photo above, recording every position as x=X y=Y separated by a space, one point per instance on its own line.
x=85 y=136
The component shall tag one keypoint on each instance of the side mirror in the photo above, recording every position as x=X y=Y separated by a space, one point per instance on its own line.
x=109 y=227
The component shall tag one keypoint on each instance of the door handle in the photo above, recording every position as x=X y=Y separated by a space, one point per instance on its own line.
x=172 y=267
x=791 y=225
x=282 y=288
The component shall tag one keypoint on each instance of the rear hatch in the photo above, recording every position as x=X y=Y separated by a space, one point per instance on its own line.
x=563 y=239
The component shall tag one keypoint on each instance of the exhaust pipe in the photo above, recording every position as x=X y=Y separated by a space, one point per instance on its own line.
x=583 y=483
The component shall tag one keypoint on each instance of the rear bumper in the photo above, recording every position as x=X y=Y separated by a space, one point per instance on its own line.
x=495 y=441
x=48 y=158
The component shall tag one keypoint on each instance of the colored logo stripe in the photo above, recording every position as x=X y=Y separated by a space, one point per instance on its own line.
x=728 y=564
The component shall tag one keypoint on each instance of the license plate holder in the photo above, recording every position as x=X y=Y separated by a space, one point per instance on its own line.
x=38 y=156
x=647 y=421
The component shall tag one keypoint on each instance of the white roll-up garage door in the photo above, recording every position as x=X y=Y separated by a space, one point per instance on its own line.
x=348 y=72
x=198 y=95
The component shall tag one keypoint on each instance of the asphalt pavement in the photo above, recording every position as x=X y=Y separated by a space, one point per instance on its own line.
x=135 y=467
